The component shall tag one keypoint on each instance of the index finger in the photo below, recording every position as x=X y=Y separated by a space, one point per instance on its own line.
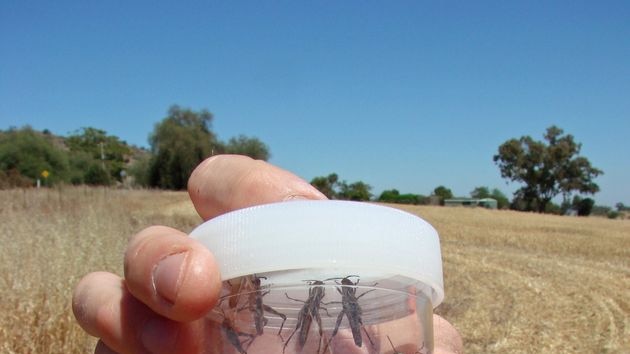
x=223 y=183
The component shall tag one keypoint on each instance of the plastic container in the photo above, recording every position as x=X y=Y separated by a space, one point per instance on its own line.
x=323 y=277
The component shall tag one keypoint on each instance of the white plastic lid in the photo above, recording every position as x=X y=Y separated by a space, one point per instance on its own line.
x=325 y=235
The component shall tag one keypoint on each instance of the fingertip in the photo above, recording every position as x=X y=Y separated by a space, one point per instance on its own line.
x=87 y=300
x=223 y=183
x=174 y=275
x=200 y=286
x=447 y=338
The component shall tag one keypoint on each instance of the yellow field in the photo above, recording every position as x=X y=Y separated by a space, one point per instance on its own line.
x=515 y=282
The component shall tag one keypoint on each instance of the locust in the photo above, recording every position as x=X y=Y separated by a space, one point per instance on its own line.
x=351 y=309
x=234 y=336
x=258 y=308
x=308 y=313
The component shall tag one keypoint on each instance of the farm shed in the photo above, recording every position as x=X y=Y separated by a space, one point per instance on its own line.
x=489 y=203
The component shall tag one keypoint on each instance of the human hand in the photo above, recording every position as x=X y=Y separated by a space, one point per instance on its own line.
x=172 y=281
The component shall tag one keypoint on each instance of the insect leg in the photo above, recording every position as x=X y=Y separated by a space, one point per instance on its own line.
x=283 y=316
x=233 y=337
x=369 y=291
x=368 y=336
x=334 y=332
x=392 y=344
x=297 y=326
x=321 y=334
x=290 y=298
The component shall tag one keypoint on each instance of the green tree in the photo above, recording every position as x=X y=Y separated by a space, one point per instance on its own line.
x=80 y=162
x=546 y=169
x=105 y=150
x=332 y=188
x=502 y=201
x=583 y=206
x=95 y=175
x=394 y=196
x=442 y=193
x=389 y=196
x=179 y=143
x=27 y=153
x=357 y=191
x=139 y=170
x=496 y=194
x=252 y=147
x=480 y=193
x=328 y=185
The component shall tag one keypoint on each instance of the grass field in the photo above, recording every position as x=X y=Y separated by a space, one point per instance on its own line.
x=515 y=282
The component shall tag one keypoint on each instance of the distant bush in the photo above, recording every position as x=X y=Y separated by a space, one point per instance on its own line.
x=29 y=153
x=484 y=192
x=600 y=210
x=584 y=206
x=13 y=179
x=139 y=171
x=97 y=176
x=442 y=193
x=552 y=208
x=393 y=196
x=613 y=214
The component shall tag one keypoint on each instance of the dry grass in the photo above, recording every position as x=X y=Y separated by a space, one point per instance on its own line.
x=50 y=239
x=528 y=283
x=515 y=283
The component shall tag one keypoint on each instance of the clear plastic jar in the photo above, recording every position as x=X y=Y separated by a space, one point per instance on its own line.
x=323 y=277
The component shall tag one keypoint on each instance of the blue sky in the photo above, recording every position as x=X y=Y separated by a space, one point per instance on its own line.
x=407 y=95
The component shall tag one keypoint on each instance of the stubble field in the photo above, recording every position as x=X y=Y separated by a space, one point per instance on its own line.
x=515 y=282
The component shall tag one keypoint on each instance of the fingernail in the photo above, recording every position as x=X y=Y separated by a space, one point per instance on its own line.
x=167 y=274
x=159 y=336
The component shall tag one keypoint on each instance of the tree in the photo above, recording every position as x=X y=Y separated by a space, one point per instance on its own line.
x=442 y=193
x=104 y=150
x=327 y=185
x=394 y=196
x=80 y=163
x=583 y=206
x=139 y=170
x=332 y=188
x=27 y=153
x=496 y=194
x=252 y=147
x=480 y=193
x=389 y=196
x=546 y=168
x=95 y=175
x=179 y=143
x=357 y=191
x=502 y=201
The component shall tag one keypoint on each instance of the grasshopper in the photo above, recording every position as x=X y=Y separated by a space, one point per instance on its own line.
x=234 y=336
x=352 y=310
x=308 y=313
x=258 y=308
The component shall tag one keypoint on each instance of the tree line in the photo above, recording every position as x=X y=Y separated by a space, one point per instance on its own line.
x=178 y=143
x=544 y=169
x=181 y=140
